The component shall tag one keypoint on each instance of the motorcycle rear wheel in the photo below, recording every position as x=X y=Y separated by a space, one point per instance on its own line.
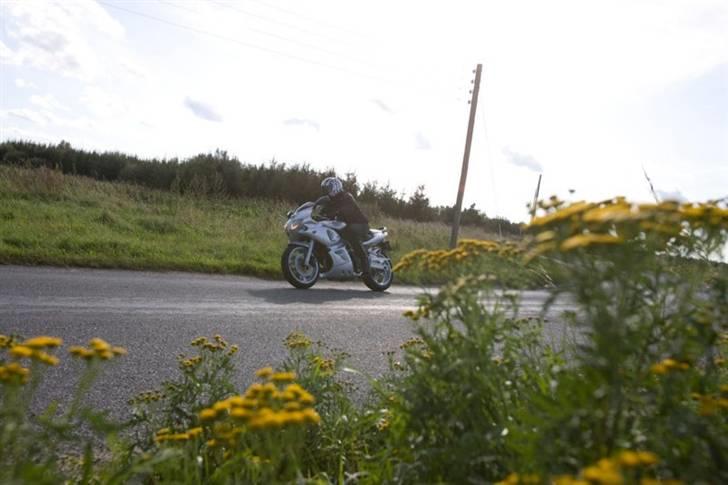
x=379 y=279
x=296 y=272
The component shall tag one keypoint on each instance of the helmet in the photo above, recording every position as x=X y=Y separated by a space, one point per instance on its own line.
x=332 y=186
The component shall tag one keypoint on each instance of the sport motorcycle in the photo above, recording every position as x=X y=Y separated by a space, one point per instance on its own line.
x=316 y=250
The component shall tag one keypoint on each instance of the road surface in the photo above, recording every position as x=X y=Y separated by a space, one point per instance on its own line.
x=156 y=315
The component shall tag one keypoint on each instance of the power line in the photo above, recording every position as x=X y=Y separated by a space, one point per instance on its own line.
x=271 y=20
x=293 y=26
x=245 y=44
x=305 y=17
x=251 y=45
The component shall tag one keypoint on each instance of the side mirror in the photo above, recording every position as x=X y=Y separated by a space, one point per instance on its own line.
x=289 y=214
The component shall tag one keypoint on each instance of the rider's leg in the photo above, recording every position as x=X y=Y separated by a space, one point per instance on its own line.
x=359 y=235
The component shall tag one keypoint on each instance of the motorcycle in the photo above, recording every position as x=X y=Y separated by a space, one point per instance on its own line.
x=317 y=250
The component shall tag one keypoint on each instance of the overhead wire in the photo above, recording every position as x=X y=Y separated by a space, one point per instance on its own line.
x=265 y=18
x=305 y=17
x=252 y=45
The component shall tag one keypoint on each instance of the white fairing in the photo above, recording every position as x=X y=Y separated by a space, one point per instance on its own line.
x=302 y=229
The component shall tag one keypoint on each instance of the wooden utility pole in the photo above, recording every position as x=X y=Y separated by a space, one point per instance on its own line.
x=535 y=197
x=466 y=159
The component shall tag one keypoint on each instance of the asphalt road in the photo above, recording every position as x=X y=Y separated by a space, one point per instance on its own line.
x=156 y=315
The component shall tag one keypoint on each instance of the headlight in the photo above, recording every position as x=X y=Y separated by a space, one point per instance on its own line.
x=295 y=226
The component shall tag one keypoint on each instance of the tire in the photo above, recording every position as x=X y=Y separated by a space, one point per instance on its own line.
x=295 y=272
x=379 y=280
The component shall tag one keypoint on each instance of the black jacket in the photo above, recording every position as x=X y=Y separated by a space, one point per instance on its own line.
x=344 y=207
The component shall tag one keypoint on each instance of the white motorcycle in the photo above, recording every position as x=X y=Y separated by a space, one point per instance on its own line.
x=316 y=249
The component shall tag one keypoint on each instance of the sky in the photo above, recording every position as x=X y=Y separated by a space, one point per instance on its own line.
x=590 y=94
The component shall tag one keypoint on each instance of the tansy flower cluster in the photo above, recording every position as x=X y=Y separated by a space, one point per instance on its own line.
x=167 y=435
x=466 y=250
x=35 y=349
x=668 y=365
x=274 y=403
x=7 y=341
x=218 y=345
x=147 y=397
x=97 y=349
x=323 y=365
x=190 y=363
x=297 y=340
x=413 y=342
x=14 y=373
x=709 y=405
x=607 y=471
x=582 y=224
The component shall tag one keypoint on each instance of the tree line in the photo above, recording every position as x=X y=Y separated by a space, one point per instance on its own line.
x=218 y=174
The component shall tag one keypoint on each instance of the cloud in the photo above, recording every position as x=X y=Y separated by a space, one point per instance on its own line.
x=521 y=160
x=26 y=115
x=675 y=195
x=47 y=102
x=22 y=83
x=202 y=110
x=382 y=105
x=421 y=142
x=65 y=37
x=304 y=122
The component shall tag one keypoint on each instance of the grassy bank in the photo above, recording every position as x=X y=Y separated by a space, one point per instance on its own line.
x=47 y=217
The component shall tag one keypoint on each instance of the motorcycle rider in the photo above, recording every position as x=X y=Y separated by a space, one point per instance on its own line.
x=340 y=204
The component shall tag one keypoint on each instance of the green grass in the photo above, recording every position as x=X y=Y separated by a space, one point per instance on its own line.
x=54 y=219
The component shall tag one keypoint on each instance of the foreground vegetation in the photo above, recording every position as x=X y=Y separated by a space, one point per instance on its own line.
x=47 y=217
x=638 y=394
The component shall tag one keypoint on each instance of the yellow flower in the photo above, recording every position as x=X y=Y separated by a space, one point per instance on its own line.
x=118 y=350
x=306 y=399
x=264 y=373
x=207 y=414
x=648 y=458
x=42 y=342
x=283 y=376
x=240 y=413
x=511 y=479
x=628 y=458
x=221 y=406
x=45 y=358
x=295 y=417
x=292 y=406
x=194 y=432
x=311 y=416
x=561 y=214
x=82 y=352
x=584 y=240
x=21 y=351
x=99 y=345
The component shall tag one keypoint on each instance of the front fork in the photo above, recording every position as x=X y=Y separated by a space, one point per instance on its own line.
x=311 y=243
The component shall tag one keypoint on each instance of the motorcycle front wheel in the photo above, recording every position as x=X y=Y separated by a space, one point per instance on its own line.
x=295 y=270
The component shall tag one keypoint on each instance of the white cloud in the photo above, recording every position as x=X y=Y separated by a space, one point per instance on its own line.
x=202 y=110
x=421 y=141
x=59 y=36
x=675 y=195
x=28 y=115
x=304 y=122
x=382 y=105
x=522 y=160
x=47 y=102
x=22 y=83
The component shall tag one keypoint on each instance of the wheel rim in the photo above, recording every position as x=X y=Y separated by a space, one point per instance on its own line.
x=382 y=276
x=303 y=273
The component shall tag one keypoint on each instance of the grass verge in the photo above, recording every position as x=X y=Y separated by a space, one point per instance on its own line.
x=50 y=218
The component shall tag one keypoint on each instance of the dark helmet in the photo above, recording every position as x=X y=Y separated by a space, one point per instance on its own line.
x=332 y=186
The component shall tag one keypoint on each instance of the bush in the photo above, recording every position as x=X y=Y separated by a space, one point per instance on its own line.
x=638 y=393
